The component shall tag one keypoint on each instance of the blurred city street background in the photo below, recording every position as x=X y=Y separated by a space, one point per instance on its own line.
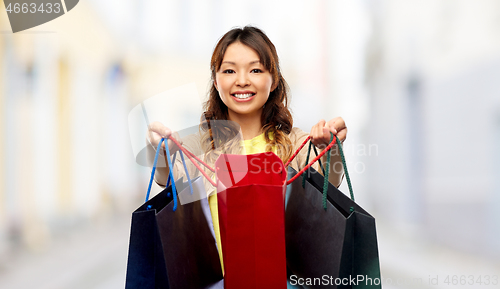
x=417 y=82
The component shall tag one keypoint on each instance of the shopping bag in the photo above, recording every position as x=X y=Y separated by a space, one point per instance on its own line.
x=189 y=246
x=329 y=237
x=251 y=219
x=173 y=246
x=146 y=266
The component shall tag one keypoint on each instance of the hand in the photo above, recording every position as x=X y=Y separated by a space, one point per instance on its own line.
x=320 y=132
x=157 y=131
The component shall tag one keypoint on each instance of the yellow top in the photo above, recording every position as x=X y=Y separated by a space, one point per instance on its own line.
x=252 y=146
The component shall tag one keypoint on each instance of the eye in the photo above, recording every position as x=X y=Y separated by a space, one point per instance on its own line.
x=228 y=71
x=256 y=70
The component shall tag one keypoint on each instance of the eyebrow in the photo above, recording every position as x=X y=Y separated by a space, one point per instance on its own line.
x=233 y=63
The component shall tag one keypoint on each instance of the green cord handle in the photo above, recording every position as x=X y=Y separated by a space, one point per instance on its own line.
x=326 y=169
x=319 y=161
x=307 y=161
x=345 y=170
x=327 y=172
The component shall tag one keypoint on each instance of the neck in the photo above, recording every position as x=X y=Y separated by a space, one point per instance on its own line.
x=250 y=125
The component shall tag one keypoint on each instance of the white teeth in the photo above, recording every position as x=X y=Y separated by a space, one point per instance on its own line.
x=243 y=96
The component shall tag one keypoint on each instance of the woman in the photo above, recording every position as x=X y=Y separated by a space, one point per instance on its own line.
x=249 y=90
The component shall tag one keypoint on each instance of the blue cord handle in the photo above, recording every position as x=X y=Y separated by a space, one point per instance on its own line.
x=154 y=169
x=187 y=173
x=171 y=175
x=185 y=169
x=169 y=178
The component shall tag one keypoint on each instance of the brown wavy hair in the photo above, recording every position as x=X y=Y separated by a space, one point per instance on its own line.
x=276 y=116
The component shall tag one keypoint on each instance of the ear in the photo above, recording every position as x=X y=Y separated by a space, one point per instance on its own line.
x=273 y=87
x=215 y=85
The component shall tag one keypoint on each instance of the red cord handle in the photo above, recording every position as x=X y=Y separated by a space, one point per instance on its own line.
x=312 y=162
x=191 y=156
x=297 y=151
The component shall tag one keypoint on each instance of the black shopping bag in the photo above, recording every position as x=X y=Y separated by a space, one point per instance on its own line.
x=173 y=246
x=338 y=244
x=146 y=263
x=188 y=240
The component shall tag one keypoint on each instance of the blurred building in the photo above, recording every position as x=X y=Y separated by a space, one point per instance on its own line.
x=432 y=71
x=63 y=98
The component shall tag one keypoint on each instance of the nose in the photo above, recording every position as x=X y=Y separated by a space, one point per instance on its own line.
x=242 y=80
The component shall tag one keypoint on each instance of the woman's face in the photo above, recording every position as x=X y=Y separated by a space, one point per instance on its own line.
x=243 y=82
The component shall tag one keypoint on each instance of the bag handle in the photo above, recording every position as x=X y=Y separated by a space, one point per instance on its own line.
x=325 y=173
x=312 y=162
x=170 y=174
x=307 y=161
x=185 y=169
x=187 y=173
x=325 y=169
x=334 y=139
x=192 y=158
x=342 y=157
x=169 y=178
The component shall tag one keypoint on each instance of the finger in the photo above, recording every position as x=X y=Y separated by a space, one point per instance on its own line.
x=327 y=129
x=160 y=129
x=153 y=138
x=313 y=134
x=156 y=132
x=318 y=132
x=318 y=135
x=337 y=123
x=342 y=135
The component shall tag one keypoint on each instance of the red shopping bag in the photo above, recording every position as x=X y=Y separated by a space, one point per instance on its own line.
x=251 y=196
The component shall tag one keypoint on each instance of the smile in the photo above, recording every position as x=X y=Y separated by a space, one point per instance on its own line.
x=243 y=96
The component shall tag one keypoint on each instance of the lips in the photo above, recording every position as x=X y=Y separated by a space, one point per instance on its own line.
x=243 y=95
